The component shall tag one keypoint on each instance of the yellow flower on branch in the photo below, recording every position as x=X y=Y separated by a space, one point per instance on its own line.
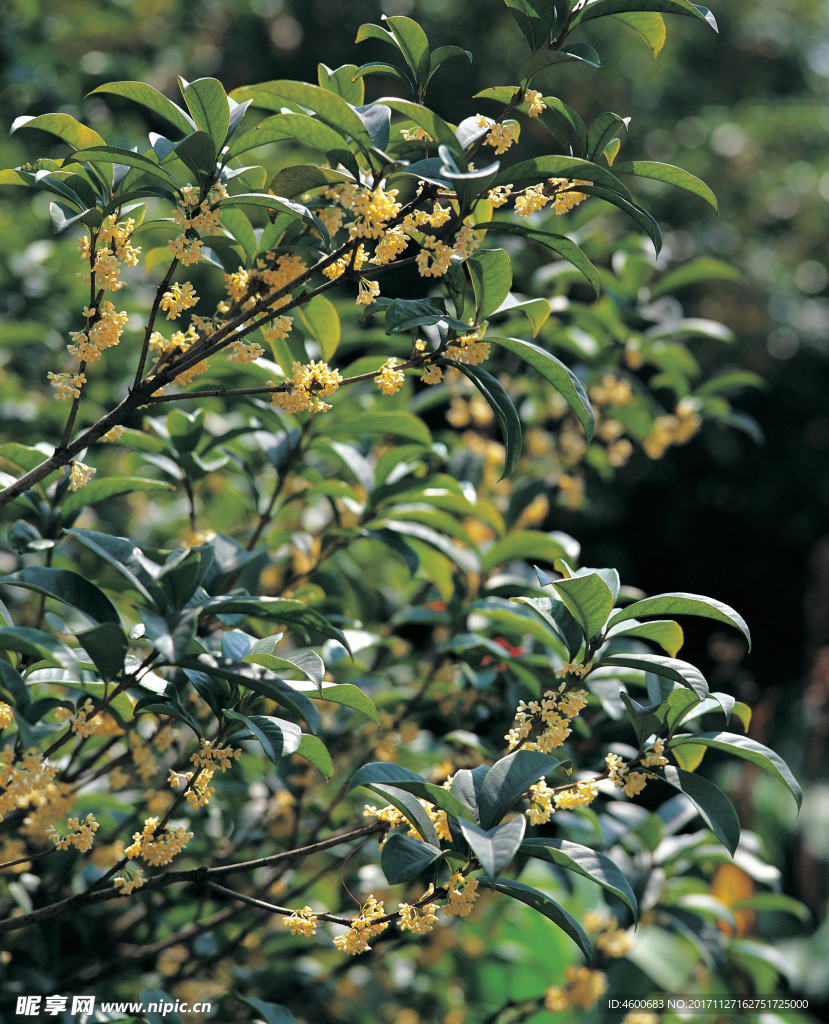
x=389 y=380
x=177 y=298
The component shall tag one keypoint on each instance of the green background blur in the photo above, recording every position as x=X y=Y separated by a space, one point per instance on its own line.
x=741 y=518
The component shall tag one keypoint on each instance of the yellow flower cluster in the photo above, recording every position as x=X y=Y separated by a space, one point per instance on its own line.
x=363 y=927
x=67 y=385
x=116 y=234
x=177 y=298
x=462 y=892
x=369 y=291
x=194 y=214
x=113 y=434
x=374 y=209
x=419 y=917
x=469 y=349
x=88 y=345
x=352 y=261
x=500 y=136
x=432 y=374
x=21 y=782
x=80 y=475
x=211 y=758
x=606 y=934
x=6 y=715
x=245 y=352
x=541 y=803
x=158 y=848
x=630 y=782
x=548 y=719
x=555 y=190
x=416 y=134
x=580 y=795
x=301 y=922
x=79 y=720
x=307 y=387
x=130 y=880
x=535 y=102
x=611 y=390
x=498 y=196
x=187 y=250
x=79 y=834
x=389 y=380
x=582 y=988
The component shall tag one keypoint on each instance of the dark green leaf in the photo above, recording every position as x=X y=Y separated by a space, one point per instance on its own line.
x=107 y=646
x=429 y=121
x=277 y=737
x=413 y=44
x=544 y=905
x=115 y=155
x=404 y=314
x=169 y=706
x=198 y=153
x=495 y=847
x=633 y=210
x=560 y=244
x=316 y=753
x=505 y=412
x=603 y=130
x=271 y=1013
x=108 y=487
x=593 y=865
x=396 y=777
x=531 y=172
x=599 y=8
x=560 y=376
x=542 y=59
x=749 y=750
x=508 y=779
x=535 y=18
x=672 y=668
x=403 y=858
x=491 y=273
x=589 y=600
x=309 y=130
x=68 y=587
x=713 y=805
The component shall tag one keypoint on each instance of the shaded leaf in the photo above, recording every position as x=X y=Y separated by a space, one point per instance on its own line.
x=542 y=903
x=495 y=847
x=598 y=867
x=508 y=779
x=403 y=858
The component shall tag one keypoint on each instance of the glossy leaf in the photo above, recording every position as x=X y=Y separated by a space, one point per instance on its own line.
x=413 y=44
x=308 y=130
x=107 y=645
x=309 y=663
x=63 y=126
x=316 y=753
x=530 y=172
x=67 y=587
x=542 y=59
x=598 y=867
x=713 y=805
x=665 y=632
x=495 y=847
x=588 y=599
x=508 y=779
x=633 y=210
x=670 y=175
x=600 y=8
x=560 y=376
x=671 y=668
x=207 y=102
x=405 y=314
x=683 y=604
x=198 y=153
x=649 y=25
x=505 y=412
x=343 y=81
x=277 y=737
x=403 y=858
x=562 y=622
x=168 y=706
x=535 y=18
x=105 y=488
x=529 y=545
x=560 y=244
x=748 y=750
x=490 y=271
x=429 y=121
x=115 y=155
x=144 y=95
x=394 y=776
x=350 y=696
x=542 y=903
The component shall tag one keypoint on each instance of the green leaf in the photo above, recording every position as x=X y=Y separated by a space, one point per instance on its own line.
x=665 y=632
x=41 y=646
x=560 y=244
x=495 y=847
x=350 y=696
x=144 y=95
x=530 y=545
x=649 y=26
x=331 y=108
x=602 y=131
x=565 y=124
x=67 y=587
x=713 y=805
x=167 y=705
x=560 y=376
x=590 y=863
x=379 y=67
x=531 y=172
x=316 y=753
x=63 y=126
x=198 y=153
x=293 y=180
x=309 y=663
x=508 y=779
x=295 y=210
x=671 y=668
x=429 y=121
x=277 y=737
x=445 y=53
x=207 y=102
x=395 y=776
x=749 y=750
x=413 y=44
x=281 y=609
x=599 y=8
x=535 y=18
x=683 y=604
x=542 y=59
x=588 y=599
x=400 y=424
x=491 y=273
x=633 y=210
x=308 y=130
x=107 y=645
x=403 y=858
x=320 y=319
x=556 y=615
x=103 y=489
x=542 y=903
x=670 y=175
x=115 y=155
x=505 y=412
x=343 y=82
x=405 y=314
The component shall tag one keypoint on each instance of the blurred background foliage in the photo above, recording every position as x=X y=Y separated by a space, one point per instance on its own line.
x=730 y=514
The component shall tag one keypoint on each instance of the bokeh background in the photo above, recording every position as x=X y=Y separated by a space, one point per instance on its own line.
x=737 y=514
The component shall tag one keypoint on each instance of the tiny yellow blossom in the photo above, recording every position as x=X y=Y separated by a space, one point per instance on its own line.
x=301 y=922
x=80 y=475
x=535 y=102
x=419 y=919
x=389 y=380
x=177 y=298
x=6 y=715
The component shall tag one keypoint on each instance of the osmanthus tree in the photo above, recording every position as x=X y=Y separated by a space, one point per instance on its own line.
x=338 y=565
